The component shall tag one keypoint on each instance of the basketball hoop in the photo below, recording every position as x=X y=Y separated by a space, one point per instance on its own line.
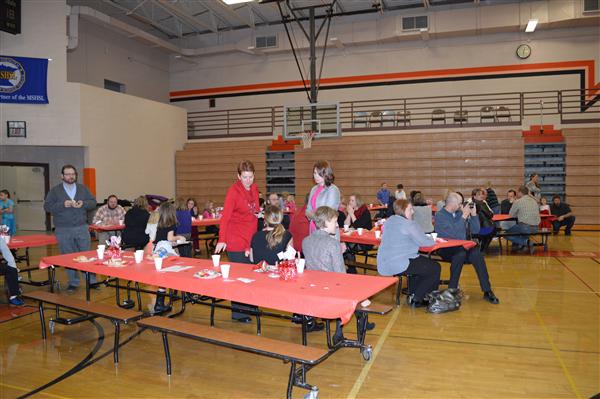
x=307 y=138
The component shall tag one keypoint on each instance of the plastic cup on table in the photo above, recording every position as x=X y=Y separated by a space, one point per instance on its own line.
x=434 y=236
x=100 y=251
x=300 y=263
x=225 y=270
x=139 y=256
x=216 y=259
x=200 y=217
x=377 y=234
x=360 y=231
x=346 y=228
x=158 y=263
x=121 y=222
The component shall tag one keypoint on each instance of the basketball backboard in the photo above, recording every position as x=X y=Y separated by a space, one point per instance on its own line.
x=322 y=119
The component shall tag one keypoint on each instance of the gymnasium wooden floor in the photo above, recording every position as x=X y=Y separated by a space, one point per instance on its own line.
x=542 y=341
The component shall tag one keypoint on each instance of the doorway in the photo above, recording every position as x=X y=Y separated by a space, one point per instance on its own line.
x=28 y=184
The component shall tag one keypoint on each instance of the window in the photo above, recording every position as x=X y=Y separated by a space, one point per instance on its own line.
x=266 y=41
x=591 y=5
x=415 y=23
x=114 y=86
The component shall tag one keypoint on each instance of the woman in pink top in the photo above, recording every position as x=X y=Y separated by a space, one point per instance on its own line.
x=324 y=193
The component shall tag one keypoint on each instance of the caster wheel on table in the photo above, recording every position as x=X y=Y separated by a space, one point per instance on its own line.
x=313 y=394
x=366 y=353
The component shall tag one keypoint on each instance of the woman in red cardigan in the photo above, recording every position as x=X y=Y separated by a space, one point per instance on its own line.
x=238 y=224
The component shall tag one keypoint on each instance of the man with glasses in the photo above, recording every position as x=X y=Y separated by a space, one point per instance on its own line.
x=69 y=203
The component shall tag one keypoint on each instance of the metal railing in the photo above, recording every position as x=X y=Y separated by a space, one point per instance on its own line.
x=472 y=110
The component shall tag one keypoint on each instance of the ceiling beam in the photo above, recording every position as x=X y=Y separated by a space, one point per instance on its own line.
x=184 y=17
x=255 y=11
x=148 y=21
x=224 y=10
x=141 y=3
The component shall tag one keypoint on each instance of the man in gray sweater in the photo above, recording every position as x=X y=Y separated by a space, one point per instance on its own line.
x=69 y=203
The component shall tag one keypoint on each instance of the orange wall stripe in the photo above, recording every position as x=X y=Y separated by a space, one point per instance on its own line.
x=589 y=65
x=89 y=179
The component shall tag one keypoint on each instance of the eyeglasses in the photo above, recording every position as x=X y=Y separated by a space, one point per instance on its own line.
x=69 y=174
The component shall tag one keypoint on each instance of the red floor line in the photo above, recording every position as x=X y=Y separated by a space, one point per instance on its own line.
x=579 y=278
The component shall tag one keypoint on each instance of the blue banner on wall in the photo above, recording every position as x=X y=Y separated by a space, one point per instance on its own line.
x=23 y=80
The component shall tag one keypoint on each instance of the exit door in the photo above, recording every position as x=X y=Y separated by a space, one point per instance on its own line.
x=27 y=186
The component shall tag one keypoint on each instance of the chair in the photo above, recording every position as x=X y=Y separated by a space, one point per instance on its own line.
x=461 y=116
x=388 y=116
x=403 y=117
x=487 y=112
x=360 y=117
x=376 y=117
x=438 y=115
x=503 y=112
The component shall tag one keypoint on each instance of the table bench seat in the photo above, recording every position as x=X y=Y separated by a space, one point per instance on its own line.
x=543 y=234
x=91 y=309
x=298 y=355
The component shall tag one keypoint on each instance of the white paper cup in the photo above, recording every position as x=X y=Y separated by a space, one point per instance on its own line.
x=100 y=253
x=216 y=259
x=200 y=217
x=102 y=247
x=346 y=227
x=139 y=256
x=225 y=270
x=121 y=222
x=360 y=231
x=370 y=205
x=300 y=263
x=158 y=263
x=377 y=234
x=434 y=235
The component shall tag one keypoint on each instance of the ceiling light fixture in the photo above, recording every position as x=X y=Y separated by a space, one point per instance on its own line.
x=231 y=2
x=531 y=25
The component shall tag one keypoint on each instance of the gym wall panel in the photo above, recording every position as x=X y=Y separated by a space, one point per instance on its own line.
x=430 y=162
x=206 y=170
x=583 y=173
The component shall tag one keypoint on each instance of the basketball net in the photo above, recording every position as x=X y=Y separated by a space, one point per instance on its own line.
x=307 y=138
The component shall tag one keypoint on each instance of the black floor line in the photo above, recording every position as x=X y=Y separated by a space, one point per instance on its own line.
x=488 y=344
x=88 y=360
x=78 y=367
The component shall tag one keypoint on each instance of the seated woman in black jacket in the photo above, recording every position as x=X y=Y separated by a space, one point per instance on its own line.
x=136 y=219
x=358 y=216
x=485 y=213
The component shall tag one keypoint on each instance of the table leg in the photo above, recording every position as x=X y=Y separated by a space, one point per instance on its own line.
x=87 y=286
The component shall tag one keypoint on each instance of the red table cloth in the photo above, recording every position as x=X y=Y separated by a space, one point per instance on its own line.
x=205 y=222
x=107 y=227
x=368 y=238
x=320 y=294
x=501 y=217
x=35 y=240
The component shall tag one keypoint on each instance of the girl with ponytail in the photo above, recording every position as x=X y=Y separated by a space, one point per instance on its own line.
x=274 y=238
